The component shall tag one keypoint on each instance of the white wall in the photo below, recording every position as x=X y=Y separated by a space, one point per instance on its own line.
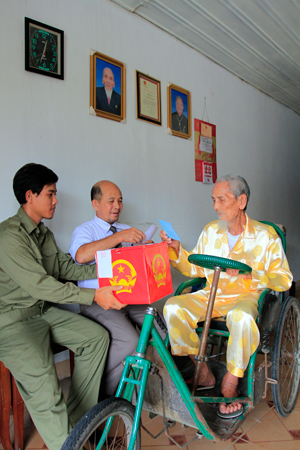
x=47 y=121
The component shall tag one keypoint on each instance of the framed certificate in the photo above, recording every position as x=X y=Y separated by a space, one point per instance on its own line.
x=148 y=98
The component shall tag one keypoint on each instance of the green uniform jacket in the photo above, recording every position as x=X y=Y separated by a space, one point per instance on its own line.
x=30 y=265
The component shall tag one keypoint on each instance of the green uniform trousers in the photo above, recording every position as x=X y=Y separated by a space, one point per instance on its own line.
x=25 y=351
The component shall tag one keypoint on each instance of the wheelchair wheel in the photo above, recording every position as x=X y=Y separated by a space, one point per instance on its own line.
x=88 y=430
x=286 y=357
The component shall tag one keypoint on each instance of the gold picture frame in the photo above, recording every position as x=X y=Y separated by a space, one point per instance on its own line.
x=179 y=111
x=148 y=98
x=107 y=87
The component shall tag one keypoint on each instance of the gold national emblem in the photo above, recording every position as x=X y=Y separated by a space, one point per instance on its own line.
x=124 y=274
x=159 y=270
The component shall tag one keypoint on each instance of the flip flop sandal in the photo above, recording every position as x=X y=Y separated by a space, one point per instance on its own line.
x=231 y=415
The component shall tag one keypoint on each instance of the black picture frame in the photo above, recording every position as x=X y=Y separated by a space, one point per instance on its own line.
x=148 y=98
x=44 y=49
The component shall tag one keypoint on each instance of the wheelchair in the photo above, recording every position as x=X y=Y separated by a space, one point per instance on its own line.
x=152 y=381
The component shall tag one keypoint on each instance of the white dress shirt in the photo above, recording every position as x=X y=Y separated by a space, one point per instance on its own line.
x=91 y=231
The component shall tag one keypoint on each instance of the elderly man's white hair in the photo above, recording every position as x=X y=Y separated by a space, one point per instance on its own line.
x=237 y=185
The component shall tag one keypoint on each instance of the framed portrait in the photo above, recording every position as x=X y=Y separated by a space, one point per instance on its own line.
x=107 y=87
x=179 y=111
x=148 y=98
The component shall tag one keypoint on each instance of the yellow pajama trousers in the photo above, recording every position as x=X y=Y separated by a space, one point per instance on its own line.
x=182 y=313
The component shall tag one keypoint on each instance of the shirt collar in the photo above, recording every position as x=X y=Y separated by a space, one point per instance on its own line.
x=108 y=93
x=29 y=224
x=249 y=228
x=105 y=226
x=248 y=232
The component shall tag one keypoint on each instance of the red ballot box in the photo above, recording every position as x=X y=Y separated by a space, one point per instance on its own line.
x=143 y=271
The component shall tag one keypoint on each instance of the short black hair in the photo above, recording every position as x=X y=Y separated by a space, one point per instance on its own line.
x=32 y=177
x=96 y=193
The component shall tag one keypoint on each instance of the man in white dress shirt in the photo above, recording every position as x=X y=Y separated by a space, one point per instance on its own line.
x=104 y=232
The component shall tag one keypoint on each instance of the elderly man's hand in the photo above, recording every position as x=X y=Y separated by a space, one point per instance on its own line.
x=173 y=243
x=105 y=298
x=235 y=272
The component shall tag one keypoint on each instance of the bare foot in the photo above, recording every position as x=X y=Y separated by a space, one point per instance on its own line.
x=229 y=389
x=206 y=377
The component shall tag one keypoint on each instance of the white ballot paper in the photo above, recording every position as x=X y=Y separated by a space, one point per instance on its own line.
x=150 y=233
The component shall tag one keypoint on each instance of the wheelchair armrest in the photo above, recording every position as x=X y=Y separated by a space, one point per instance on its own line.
x=201 y=282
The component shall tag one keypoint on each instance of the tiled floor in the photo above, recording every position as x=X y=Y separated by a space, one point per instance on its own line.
x=263 y=429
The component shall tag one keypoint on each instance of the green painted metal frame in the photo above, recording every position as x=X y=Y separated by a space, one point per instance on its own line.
x=140 y=365
x=136 y=372
x=190 y=283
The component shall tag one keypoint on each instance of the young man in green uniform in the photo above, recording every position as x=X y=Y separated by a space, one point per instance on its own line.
x=30 y=266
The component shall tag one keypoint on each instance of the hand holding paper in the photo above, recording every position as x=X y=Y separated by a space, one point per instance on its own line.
x=132 y=235
x=150 y=233
x=148 y=236
x=169 y=235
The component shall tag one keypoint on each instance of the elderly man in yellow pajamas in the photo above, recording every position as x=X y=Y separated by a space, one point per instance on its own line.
x=234 y=236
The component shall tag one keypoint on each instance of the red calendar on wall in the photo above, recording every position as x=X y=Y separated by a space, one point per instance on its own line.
x=205 y=151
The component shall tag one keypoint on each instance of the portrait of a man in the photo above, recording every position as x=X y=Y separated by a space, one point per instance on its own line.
x=108 y=87
x=179 y=112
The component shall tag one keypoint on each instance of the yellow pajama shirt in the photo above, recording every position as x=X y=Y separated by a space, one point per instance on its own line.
x=260 y=247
